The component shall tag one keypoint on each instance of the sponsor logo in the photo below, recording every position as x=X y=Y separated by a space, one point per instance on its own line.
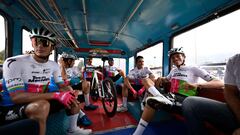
x=46 y=71
x=10 y=61
x=39 y=79
x=11 y=115
x=14 y=80
x=35 y=72
x=179 y=74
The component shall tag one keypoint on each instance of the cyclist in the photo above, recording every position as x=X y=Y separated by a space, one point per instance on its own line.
x=26 y=78
x=112 y=71
x=187 y=74
x=74 y=76
x=223 y=115
x=133 y=82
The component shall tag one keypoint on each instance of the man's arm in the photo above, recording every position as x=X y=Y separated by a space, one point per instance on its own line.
x=26 y=97
x=63 y=69
x=231 y=94
x=215 y=83
x=152 y=77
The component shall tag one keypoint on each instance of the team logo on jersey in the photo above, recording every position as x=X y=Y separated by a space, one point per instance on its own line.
x=38 y=79
x=179 y=74
x=10 y=61
x=46 y=71
x=15 y=80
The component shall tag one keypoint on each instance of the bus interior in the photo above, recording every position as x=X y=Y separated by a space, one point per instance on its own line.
x=122 y=29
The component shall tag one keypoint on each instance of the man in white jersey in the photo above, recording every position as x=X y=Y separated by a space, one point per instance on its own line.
x=225 y=116
x=112 y=71
x=133 y=81
x=72 y=74
x=26 y=78
x=180 y=77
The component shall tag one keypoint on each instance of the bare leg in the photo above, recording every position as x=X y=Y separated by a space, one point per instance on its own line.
x=39 y=111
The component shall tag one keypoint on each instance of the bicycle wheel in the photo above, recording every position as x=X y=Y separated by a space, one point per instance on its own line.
x=94 y=90
x=109 y=100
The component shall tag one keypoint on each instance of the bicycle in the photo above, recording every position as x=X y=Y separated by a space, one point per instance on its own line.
x=103 y=87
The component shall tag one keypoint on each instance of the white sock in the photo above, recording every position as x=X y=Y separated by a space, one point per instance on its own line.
x=124 y=101
x=72 y=122
x=141 y=127
x=81 y=114
x=154 y=91
x=86 y=98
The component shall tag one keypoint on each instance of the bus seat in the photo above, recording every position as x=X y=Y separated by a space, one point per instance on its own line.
x=212 y=93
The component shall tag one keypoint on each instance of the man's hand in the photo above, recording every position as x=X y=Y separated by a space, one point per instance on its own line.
x=134 y=92
x=236 y=131
x=121 y=73
x=66 y=98
x=61 y=62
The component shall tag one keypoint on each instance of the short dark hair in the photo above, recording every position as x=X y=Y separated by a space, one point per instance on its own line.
x=89 y=57
x=137 y=58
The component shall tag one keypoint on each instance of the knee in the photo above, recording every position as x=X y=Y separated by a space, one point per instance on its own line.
x=147 y=82
x=38 y=110
x=189 y=104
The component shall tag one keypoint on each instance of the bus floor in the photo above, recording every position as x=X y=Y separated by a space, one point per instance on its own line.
x=125 y=123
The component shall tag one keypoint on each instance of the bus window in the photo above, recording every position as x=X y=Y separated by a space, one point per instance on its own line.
x=2 y=40
x=131 y=63
x=153 y=61
x=27 y=44
x=119 y=63
x=211 y=44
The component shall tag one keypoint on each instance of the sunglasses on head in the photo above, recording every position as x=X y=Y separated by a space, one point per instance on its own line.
x=44 y=42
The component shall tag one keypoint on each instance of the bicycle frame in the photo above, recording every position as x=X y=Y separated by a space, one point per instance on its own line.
x=104 y=89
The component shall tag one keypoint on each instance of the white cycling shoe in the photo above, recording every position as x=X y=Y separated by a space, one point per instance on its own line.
x=80 y=131
x=158 y=101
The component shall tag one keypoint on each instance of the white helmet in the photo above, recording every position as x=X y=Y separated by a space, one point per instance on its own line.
x=68 y=56
x=175 y=50
x=43 y=33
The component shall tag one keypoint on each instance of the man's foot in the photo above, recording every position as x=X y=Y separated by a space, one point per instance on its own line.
x=80 y=131
x=84 y=121
x=158 y=102
x=90 y=107
x=122 y=109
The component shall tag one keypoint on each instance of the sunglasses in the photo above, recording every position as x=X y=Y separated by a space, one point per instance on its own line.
x=44 y=42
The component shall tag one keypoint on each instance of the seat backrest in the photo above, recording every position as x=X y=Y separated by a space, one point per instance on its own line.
x=212 y=93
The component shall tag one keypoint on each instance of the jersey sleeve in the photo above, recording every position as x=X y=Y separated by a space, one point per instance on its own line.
x=12 y=75
x=76 y=72
x=131 y=74
x=149 y=71
x=169 y=76
x=229 y=77
x=57 y=75
x=199 y=72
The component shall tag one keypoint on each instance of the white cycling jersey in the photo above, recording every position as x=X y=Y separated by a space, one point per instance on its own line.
x=73 y=75
x=189 y=74
x=139 y=73
x=73 y=72
x=232 y=74
x=23 y=73
x=111 y=71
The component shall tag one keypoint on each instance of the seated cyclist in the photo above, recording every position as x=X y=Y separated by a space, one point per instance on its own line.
x=112 y=71
x=184 y=82
x=133 y=81
x=73 y=75
x=26 y=95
